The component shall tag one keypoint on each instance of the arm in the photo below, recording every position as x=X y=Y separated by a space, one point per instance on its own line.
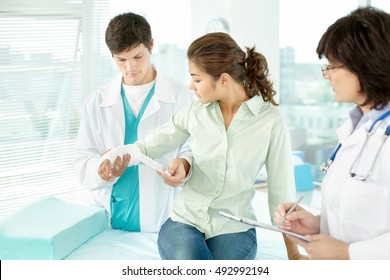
x=172 y=134
x=292 y=249
x=89 y=149
x=165 y=138
x=280 y=176
x=180 y=168
x=279 y=167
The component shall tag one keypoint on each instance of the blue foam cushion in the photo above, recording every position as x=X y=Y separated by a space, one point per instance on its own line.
x=49 y=229
x=303 y=177
x=299 y=154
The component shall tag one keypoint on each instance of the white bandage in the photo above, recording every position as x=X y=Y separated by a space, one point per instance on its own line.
x=120 y=151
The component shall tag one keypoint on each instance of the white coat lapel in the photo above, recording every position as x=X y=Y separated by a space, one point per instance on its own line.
x=162 y=93
x=349 y=137
x=112 y=98
x=152 y=107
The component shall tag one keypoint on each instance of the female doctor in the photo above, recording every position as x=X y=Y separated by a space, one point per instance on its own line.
x=355 y=208
x=128 y=109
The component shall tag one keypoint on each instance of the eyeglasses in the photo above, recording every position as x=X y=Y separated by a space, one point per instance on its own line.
x=326 y=67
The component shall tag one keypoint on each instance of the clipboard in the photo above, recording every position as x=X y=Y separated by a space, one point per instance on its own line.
x=262 y=225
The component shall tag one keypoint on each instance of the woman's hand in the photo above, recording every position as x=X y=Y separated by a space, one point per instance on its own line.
x=299 y=221
x=323 y=247
x=178 y=168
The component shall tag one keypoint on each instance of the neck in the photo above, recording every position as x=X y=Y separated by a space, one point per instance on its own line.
x=230 y=105
x=365 y=109
x=233 y=100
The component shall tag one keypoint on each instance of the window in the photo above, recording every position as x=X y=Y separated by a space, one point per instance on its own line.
x=306 y=98
x=53 y=54
x=47 y=63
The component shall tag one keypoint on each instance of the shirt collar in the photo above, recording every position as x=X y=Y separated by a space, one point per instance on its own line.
x=375 y=114
x=255 y=104
x=358 y=119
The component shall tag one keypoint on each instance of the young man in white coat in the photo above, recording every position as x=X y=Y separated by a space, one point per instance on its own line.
x=129 y=108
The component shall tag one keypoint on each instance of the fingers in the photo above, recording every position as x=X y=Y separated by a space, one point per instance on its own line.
x=173 y=167
x=117 y=163
x=173 y=180
x=108 y=173
x=281 y=212
x=177 y=174
x=105 y=172
x=298 y=241
x=120 y=165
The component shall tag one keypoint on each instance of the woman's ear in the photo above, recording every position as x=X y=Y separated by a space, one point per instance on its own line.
x=225 y=79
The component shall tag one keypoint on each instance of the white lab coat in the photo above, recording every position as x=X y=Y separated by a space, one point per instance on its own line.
x=358 y=212
x=102 y=128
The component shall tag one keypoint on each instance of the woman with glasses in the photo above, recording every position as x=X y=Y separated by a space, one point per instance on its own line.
x=355 y=210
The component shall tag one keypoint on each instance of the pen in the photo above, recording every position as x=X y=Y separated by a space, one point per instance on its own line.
x=292 y=208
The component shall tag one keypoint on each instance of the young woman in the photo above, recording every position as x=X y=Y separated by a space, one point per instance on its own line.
x=234 y=129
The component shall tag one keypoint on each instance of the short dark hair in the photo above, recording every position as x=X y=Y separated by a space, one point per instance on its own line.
x=361 y=42
x=126 y=31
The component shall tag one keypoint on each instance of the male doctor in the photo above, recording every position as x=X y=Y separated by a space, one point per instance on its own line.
x=128 y=109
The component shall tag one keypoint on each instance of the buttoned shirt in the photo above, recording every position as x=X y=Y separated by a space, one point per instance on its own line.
x=227 y=162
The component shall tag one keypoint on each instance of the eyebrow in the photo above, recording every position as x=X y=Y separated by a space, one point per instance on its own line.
x=137 y=54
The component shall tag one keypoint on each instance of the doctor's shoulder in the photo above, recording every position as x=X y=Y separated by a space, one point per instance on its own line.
x=107 y=92
x=179 y=89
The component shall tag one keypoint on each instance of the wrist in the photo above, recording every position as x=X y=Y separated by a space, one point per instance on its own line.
x=186 y=165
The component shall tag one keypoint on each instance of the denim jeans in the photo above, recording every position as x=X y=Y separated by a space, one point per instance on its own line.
x=178 y=241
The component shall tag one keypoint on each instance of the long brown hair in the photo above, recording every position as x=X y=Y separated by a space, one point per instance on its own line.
x=218 y=53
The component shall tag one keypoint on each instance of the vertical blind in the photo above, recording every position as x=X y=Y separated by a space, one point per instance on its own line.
x=52 y=54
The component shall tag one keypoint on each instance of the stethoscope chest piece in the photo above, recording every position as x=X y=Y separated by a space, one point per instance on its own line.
x=324 y=167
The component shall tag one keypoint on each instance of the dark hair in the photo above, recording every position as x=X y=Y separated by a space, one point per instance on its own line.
x=217 y=53
x=126 y=31
x=361 y=42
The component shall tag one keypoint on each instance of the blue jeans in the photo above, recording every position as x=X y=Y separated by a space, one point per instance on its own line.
x=178 y=241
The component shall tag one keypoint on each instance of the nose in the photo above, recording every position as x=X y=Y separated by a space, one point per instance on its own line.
x=128 y=65
x=191 y=86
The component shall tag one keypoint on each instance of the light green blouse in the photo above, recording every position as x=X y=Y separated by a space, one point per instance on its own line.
x=227 y=162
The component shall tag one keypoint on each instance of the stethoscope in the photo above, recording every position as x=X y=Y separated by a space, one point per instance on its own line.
x=359 y=171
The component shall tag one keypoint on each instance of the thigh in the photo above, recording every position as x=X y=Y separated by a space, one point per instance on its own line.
x=234 y=246
x=178 y=241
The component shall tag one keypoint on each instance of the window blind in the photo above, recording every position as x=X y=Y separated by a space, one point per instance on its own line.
x=52 y=54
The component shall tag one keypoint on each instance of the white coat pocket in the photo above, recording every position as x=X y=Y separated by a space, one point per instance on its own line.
x=364 y=210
